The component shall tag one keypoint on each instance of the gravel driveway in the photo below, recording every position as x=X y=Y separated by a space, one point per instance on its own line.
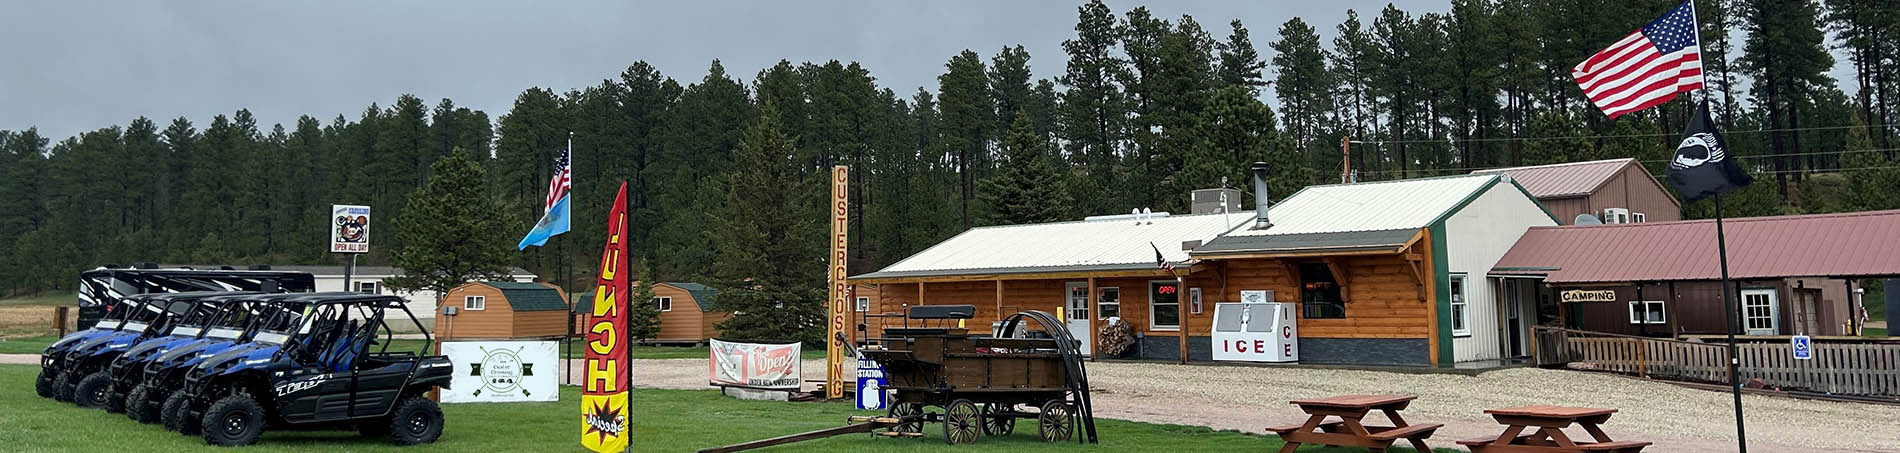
x=1251 y=398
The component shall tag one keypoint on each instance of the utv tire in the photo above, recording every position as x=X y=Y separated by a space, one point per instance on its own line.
x=63 y=386
x=93 y=390
x=176 y=414
x=43 y=384
x=139 y=407
x=236 y=420
x=416 y=420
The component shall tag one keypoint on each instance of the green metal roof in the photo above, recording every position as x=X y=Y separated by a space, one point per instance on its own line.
x=525 y=296
x=702 y=295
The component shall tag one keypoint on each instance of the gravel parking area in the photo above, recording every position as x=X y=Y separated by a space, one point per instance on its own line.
x=1251 y=398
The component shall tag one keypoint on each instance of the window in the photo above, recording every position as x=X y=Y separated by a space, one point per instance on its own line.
x=665 y=303
x=1460 y=326
x=864 y=304
x=1638 y=218
x=366 y=287
x=1164 y=305
x=1111 y=302
x=1319 y=293
x=475 y=303
x=1646 y=312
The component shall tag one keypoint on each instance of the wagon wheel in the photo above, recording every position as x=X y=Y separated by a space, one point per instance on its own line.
x=901 y=410
x=995 y=423
x=1055 y=422
x=960 y=422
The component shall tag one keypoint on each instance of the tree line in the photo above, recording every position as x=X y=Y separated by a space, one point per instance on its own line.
x=727 y=171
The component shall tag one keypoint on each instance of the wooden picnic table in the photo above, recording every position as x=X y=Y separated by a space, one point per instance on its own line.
x=1548 y=423
x=1347 y=430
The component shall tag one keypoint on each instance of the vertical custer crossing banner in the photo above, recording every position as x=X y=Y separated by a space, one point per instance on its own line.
x=839 y=303
x=606 y=413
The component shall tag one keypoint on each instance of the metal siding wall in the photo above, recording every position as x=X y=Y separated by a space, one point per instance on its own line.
x=1566 y=209
x=1648 y=197
x=1477 y=236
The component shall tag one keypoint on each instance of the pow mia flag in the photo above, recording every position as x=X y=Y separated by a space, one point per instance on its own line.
x=1703 y=166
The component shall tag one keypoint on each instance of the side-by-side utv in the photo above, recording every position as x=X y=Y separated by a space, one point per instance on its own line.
x=145 y=317
x=103 y=292
x=157 y=398
x=210 y=322
x=334 y=370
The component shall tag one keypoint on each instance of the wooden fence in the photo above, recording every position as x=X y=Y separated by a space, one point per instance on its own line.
x=1838 y=368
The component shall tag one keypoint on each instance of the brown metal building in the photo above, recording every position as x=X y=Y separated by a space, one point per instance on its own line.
x=490 y=310
x=1615 y=191
x=1796 y=274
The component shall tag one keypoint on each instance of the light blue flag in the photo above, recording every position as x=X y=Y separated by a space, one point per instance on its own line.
x=552 y=223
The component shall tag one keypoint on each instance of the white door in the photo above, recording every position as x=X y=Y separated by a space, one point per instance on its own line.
x=1760 y=312
x=1078 y=312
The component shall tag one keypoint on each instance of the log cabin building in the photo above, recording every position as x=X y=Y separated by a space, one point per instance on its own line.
x=1794 y=275
x=1384 y=273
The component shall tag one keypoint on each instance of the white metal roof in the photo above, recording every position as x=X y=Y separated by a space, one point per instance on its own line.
x=1369 y=206
x=1084 y=245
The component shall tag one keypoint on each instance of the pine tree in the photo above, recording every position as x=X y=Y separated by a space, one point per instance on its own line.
x=455 y=230
x=1094 y=109
x=643 y=313
x=1240 y=64
x=765 y=261
x=1302 y=84
x=967 y=117
x=1027 y=186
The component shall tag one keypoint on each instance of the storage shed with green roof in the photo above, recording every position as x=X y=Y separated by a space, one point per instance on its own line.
x=491 y=310
x=686 y=312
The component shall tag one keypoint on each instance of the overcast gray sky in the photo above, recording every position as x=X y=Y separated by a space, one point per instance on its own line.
x=72 y=66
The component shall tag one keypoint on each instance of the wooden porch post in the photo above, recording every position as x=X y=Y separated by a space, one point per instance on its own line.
x=999 y=300
x=1180 y=307
x=1095 y=311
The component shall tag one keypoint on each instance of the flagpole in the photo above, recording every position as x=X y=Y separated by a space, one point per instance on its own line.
x=1721 y=246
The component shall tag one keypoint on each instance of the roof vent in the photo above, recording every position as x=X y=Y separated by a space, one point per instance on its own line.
x=1260 y=199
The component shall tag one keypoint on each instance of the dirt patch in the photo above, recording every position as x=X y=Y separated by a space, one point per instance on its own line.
x=30 y=320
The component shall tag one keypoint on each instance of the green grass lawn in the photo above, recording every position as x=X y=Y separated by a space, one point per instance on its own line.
x=26 y=345
x=664 y=420
x=1873 y=332
x=50 y=298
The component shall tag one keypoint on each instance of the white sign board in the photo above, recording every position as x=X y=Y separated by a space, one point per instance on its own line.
x=502 y=371
x=1256 y=332
x=349 y=228
x=764 y=366
x=1803 y=347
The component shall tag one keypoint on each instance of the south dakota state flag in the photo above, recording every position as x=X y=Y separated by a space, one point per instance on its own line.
x=554 y=218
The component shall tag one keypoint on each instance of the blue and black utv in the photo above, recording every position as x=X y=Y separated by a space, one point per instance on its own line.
x=156 y=398
x=50 y=358
x=334 y=370
x=102 y=294
x=82 y=374
x=209 y=323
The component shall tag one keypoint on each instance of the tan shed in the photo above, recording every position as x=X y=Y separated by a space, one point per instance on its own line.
x=503 y=310
x=686 y=313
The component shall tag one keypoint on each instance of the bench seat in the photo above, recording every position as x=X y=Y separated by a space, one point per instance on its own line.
x=1283 y=429
x=1422 y=430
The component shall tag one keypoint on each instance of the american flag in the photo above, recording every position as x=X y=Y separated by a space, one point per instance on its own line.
x=1161 y=260
x=1646 y=68
x=563 y=179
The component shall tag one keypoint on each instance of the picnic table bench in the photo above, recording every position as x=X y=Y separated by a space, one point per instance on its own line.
x=1548 y=423
x=1347 y=430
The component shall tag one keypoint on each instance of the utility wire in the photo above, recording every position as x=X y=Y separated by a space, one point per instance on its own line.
x=1424 y=169
x=1578 y=137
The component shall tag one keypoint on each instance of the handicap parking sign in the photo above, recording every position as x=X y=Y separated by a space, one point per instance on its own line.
x=1803 y=349
x=871 y=385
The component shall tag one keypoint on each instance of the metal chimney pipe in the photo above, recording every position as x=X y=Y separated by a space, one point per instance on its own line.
x=1260 y=203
